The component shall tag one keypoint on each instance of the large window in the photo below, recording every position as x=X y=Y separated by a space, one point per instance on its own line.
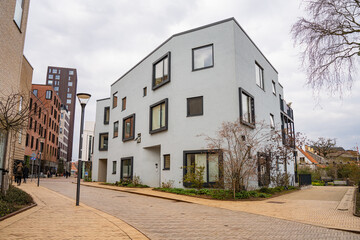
x=48 y=94
x=159 y=116
x=106 y=115
x=103 y=141
x=272 y=121
x=203 y=57
x=116 y=129
x=126 y=168
x=209 y=160
x=195 y=106
x=247 y=108
x=19 y=8
x=259 y=74
x=115 y=98
x=274 y=88
x=161 y=71
x=128 y=128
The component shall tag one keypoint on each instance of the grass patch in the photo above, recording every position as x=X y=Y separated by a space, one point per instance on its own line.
x=318 y=183
x=222 y=194
x=14 y=200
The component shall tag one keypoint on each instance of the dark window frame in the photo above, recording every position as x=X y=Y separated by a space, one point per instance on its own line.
x=197 y=48
x=132 y=167
x=133 y=130
x=273 y=86
x=103 y=148
x=206 y=181
x=117 y=129
x=272 y=121
x=165 y=128
x=188 y=107
x=123 y=104
x=252 y=123
x=108 y=120
x=262 y=76
x=167 y=55
x=114 y=170
x=46 y=97
x=115 y=105
x=167 y=168
x=144 y=91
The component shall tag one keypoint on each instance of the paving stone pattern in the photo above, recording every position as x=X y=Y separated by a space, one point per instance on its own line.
x=168 y=219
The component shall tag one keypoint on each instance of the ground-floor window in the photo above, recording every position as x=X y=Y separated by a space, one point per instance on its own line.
x=126 y=168
x=211 y=162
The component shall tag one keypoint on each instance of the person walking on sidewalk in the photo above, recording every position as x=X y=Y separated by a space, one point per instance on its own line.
x=19 y=173
x=25 y=173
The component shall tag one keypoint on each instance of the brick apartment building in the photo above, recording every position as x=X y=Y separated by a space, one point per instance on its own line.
x=44 y=122
x=15 y=78
x=64 y=82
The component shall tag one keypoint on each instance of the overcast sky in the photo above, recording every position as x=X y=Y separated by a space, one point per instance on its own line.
x=103 y=39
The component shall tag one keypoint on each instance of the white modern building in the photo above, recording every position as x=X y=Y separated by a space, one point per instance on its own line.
x=64 y=135
x=88 y=141
x=188 y=86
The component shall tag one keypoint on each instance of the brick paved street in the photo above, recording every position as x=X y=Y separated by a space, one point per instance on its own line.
x=167 y=219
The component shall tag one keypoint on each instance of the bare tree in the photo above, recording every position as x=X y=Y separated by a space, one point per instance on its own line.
x=239 y=145
x=331 y=38
x=324 y=146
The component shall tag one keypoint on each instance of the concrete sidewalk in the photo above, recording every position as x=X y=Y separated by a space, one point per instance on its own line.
x=57 y=217
x=319 y=206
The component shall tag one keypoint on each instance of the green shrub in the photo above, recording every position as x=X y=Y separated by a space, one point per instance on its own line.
x=264 y=195
x=6 y=208
x=17 y=196
x=318 y=183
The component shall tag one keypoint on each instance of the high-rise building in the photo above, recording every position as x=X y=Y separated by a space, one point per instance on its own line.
x=64 y=82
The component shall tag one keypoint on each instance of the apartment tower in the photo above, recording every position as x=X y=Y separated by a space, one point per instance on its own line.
x=64 y=82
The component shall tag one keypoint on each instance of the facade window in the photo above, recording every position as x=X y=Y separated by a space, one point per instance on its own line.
x=68 y=95
x=19 y=8
x=144 y=91
x=274 y=88
x=106 y=115
x=32 y=142
x=35 y=92
x=116 y=129
x=57 y=77
x=69 y=78
x=27 y=140
x=68 y=90
x=208 y=160
x=166 y=162
x=114 y=167
x=259 y=74
x=54 y=70
x=68 y=101
x=48 y=94
x=272 y=121
x=71 y=72
x=247 y=108
x=126 y=168
x=161 y=71
x=51 y=76
x=30 y=125
x=49 y=70
x=203 y=57
x=302 y=160
x=159 y=116
x=50 y=82
x=56 y=89
x=60 y=130
x=70 y=84
x=115 y=100
x=128 y=128
x=103 y=143
x=123 y=104
x=195 y=106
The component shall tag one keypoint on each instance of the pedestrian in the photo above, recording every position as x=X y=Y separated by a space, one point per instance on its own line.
x=19 y=173
x=67 y=174
x=25 y=173
x=48 y=174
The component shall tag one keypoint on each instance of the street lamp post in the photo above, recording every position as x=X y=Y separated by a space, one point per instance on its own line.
x=41 y=140
x=83 y=99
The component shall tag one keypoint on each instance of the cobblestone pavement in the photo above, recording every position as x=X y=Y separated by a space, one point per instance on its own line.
x=168 y=219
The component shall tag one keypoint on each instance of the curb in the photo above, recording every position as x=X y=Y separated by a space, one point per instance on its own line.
x=354 y=210
x=18 y=211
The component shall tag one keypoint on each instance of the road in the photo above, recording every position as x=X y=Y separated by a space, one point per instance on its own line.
x=168 y=219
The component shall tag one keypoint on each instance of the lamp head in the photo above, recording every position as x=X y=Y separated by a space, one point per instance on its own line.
x=83 y=98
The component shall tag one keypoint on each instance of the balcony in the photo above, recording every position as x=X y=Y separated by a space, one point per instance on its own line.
x=286 y=109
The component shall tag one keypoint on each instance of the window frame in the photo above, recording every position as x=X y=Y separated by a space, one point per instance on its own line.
x=165 y=127
x=132 y=137
x=144 y=91
x=22 y=4
x=252 y=123
x=262 y=81
x=114 y=167
x=206 y=181
x=188 y=106
x=164 y=157
x=106 y=109
x=197 y=48
x=167 y=55
x=132 y=167
x=103 y=148
x=273 y=87
x=113 y=100
x=272 y=121
x=117 y=132
x=123 y=104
